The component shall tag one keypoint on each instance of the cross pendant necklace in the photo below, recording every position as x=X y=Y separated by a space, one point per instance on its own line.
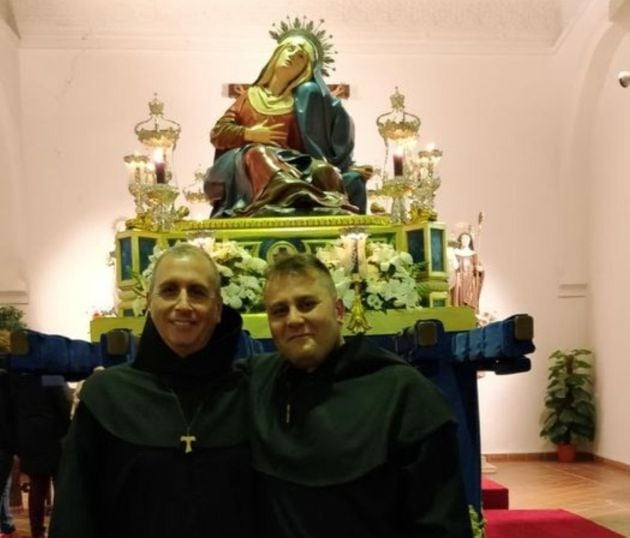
x=187 y=439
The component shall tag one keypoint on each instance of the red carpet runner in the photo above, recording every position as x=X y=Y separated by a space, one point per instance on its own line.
x=494 y=495
x=542 y=524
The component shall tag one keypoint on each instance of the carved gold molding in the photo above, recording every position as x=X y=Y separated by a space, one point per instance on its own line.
x=282 y=222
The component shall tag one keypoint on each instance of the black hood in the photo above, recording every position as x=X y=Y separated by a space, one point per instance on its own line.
x=355 y=358
x=214 y=359
x=305 y=390
x=359 y=357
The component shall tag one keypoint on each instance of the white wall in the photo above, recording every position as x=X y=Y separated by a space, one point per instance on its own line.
x=495 y=117
x=609 y=195
x=507 y=125
x=12 y=283
x=592 y=256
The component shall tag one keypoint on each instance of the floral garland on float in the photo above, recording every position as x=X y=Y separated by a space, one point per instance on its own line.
x=242 y=275
x=388 y=276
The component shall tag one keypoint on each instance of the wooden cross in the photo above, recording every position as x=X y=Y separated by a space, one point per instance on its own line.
x=188 y=439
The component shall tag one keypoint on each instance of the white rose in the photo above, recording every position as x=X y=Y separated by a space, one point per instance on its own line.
x=374 y=302
x=225 y=271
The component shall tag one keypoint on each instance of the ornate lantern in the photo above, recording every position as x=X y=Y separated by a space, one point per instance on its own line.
x=159 y=136
x=426 y=180
x=399 y=130
x=196 y=197
x=151 y=178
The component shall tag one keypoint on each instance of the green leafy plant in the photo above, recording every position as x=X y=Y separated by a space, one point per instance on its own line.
x=10 y=320
x=569 y=408
x=477 y=522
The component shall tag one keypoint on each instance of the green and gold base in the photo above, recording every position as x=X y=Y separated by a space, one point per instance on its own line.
x=454 y=318
x=267 y=238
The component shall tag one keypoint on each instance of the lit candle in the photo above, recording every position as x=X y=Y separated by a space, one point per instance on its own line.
x=158 y=161
x=130 y=168
x=160 y=175
x=143 y=169
x=350 y=247
x=434 y=154
x=361 y=256
x=398 y=162
x=355 y=254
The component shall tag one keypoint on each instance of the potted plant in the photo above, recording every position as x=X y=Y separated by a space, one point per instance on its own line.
x=10 y=320
x=569 y=409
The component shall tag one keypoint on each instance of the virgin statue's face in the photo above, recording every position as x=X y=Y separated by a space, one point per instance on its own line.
x=464 y=241
x=293 y=58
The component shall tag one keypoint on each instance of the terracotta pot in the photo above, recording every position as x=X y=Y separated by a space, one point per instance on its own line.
x=566 y=453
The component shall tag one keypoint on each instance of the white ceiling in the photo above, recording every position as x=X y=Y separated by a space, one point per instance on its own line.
x=511 y=23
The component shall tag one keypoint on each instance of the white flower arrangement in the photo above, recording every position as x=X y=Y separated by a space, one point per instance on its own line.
x=388 y=276
x=242 y=276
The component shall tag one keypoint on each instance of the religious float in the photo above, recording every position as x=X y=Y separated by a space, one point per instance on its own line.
x=284 y=181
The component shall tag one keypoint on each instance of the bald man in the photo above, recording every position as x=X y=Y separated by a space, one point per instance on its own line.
x=159 y=447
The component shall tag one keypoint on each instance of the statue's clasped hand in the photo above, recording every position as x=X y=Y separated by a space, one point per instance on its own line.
x=263 y=133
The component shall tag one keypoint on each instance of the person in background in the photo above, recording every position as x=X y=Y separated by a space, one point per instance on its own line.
x=7 y=451
x=159 y=447
x=41 y=407
x=348 y=439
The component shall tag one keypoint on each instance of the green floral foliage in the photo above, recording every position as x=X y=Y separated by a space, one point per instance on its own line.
x=477 y=522
x=11 y=318
x=569 y=409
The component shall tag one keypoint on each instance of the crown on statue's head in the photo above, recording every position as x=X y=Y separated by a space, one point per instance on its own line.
x=314 y=33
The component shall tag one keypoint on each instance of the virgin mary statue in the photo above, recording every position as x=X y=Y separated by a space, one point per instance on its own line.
x=285 y=145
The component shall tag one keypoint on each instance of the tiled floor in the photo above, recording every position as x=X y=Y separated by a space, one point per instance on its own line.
x=20 y=514
x=592 y=490
x=20 y=519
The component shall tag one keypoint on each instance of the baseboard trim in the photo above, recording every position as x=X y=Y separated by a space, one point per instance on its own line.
x=521 y=456
x=551 y=456
x=534 y=456
x=13 y=297
x=612 y=463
